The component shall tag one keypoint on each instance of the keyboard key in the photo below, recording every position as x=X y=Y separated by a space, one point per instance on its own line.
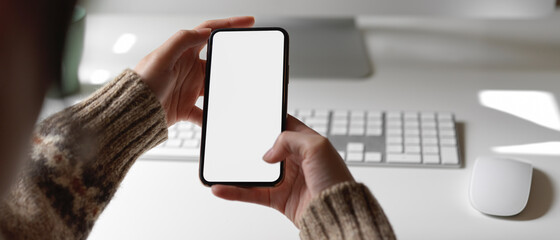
x=371 y=123
x=411 y=125
x=431 y=149
x=411 y=140
x=446 y=125
x=174 y=143
x=449 y=155
x=447 y=133
x=412 y=132
x=191 y=143
x=412 y=149
x=339 y=122
x=394 y=149
x=355 y=147
x=429 y=133
x=394 y=124
x=186 y=135
x=373 y=157
x=394 y=132
x=357 y=131
x=430 y=158
x=359 y=123
x=430 y=141
x=321 y=130
x=430 y=124
x=374 y=132
x=172 y=134
x=316 y=121
x=404 y=158
x=340 y=114
x=339 y=131
x=394 y=140
x=448 y=142
x=355 y=157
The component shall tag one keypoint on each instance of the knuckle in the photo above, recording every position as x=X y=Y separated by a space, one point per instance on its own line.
x=208 y=23
x=182 y=33
x=282 y=137
x=230 y=21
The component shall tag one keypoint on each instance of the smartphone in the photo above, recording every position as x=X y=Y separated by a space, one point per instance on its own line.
x=245 y=100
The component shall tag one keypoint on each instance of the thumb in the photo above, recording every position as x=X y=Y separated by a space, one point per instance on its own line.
x=180 y=42
x=291 y=142
x=288 y=143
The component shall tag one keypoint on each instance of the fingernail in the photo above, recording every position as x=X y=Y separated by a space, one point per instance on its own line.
x=268 y=154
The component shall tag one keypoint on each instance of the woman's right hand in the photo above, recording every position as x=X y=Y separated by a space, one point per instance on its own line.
x=175 y=73
x=312 y=165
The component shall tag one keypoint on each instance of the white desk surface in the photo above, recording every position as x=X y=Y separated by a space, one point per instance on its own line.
x=437 y=64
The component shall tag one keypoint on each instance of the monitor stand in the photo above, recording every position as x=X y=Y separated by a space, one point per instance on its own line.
x=324 y=47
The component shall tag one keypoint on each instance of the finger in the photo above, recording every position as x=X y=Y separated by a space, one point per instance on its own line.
x=290 y=141
x=232 y=22
x=289 y=144
x=233 y=193
x=180 y=42
x=203 y=62
x=201 y=93
x=195 y=116
x=294 y=124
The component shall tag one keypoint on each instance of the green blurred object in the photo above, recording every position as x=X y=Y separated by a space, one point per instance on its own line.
x=72 y=56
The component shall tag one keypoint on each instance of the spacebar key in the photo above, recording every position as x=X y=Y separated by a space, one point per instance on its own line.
x=403 y=158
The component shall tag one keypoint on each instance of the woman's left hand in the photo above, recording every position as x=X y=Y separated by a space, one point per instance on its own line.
x=175 y=73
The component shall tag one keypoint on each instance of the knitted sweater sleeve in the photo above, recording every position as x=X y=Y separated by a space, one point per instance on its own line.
x=78 y=158
x=345 y=211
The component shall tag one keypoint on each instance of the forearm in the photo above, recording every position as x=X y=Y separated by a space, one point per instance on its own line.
x=79 y=157
x=345 y=211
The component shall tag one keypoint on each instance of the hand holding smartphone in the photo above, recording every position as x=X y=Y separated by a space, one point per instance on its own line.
x=244 y=106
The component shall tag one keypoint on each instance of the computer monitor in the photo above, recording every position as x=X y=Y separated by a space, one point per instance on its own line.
x=325 y=41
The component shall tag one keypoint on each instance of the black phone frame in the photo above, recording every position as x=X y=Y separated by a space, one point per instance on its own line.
x=285 y=80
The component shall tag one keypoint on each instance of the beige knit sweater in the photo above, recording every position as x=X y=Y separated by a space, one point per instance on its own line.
x=79 y=157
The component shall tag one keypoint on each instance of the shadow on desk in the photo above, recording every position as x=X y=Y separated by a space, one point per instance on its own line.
x=486 y=49
x=540 y=198
x=460 y=128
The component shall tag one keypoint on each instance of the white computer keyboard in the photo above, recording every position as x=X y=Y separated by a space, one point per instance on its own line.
x=362 y=138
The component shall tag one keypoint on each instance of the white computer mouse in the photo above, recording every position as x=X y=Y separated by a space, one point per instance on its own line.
x=500 y=186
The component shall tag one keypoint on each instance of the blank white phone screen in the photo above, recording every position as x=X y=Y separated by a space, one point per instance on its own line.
x=244 y=111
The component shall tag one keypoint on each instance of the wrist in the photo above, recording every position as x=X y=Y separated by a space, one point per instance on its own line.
x=152 y=85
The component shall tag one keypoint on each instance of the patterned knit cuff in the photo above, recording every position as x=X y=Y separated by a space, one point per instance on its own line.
x=345 y=211
x=81 y=154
